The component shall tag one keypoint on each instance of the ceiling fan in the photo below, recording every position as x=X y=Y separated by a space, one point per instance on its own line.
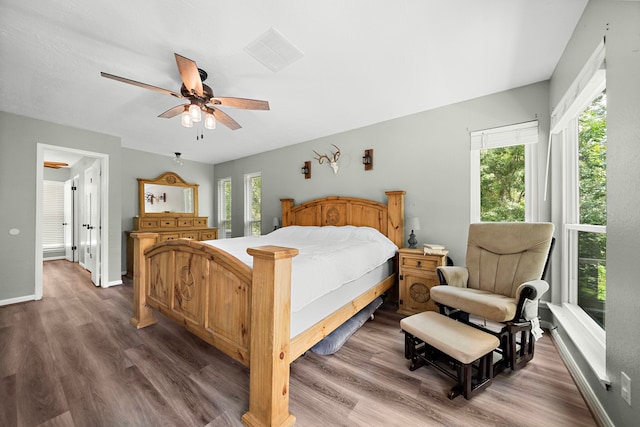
x=200 y=97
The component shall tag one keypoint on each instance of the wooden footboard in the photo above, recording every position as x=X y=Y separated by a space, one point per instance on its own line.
x=217 y=297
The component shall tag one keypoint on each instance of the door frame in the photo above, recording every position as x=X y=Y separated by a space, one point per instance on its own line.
x=104 y=212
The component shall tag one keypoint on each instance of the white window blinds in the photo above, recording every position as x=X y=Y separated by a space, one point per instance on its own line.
x=504 y=136
x=52 y=215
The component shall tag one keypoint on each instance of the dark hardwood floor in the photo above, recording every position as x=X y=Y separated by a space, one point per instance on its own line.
x=72 y=359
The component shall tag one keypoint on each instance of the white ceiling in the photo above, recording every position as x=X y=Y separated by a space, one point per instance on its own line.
x=365 y=61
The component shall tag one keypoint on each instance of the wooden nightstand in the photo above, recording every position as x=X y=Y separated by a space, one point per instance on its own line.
x=417 y=276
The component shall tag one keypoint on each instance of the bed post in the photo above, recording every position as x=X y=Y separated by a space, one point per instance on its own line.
x=286 y=205
x=142 y=315
x=270 y=336
x=395 y=214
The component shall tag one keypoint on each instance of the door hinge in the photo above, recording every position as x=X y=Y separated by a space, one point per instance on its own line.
x=74 y=188
x=400 y=302
x=402 y=277
x=74 y=248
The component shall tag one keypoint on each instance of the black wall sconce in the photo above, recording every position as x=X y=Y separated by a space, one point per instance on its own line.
x=306 y=170
x=367 y=159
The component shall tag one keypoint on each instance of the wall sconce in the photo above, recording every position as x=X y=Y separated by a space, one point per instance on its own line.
x=177 y=160
x=306 y=170
x=367 y=159
x=150 y=197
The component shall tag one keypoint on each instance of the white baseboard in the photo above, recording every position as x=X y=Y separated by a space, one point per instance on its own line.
x=590 y=397
x=53 y=258
x=17 y=300
x=113 y=283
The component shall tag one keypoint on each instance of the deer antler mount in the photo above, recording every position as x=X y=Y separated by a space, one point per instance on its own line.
x=333 y=160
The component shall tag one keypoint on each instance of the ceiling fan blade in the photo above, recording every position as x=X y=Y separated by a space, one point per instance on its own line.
x=189 y=74
x=54 y=165
x=144 y=85
x=224 y=118
x=173 y=111
x=247 y=104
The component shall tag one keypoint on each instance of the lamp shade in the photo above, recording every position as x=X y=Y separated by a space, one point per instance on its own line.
x=195 y=113
x=186 y=120
x=209 y=121
x=413 y=223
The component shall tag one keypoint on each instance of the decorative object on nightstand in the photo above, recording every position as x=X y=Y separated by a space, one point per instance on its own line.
x=413 y=224
x=417 y=274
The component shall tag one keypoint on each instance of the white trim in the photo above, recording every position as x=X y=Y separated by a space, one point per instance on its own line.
x=581 y=382
x=589 y=81
x=602 y=229
x=592 y=349
x=112 y=283
x=17 y=300
x=104 y=235
x=474 y=167
x=53 y=258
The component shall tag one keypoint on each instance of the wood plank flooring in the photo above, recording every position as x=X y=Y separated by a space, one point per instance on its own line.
x=72 y=359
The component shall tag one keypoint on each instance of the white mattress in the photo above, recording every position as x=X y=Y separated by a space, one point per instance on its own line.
x=334 y=265
x=332 y=301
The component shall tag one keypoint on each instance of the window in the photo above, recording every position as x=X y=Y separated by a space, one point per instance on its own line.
x=502 y=188
x=578 y=125
x=586 y=214
x=224 y=208
x=252 y=204
x=52 y=215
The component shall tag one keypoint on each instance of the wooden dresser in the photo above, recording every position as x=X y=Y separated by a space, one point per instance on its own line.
x=170 y=228
x=168 y=206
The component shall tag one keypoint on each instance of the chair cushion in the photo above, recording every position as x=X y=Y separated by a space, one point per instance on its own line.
x=496 y=307
x=462 y=342
x=502 y=255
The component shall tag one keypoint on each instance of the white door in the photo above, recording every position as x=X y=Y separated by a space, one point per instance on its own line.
x=67 y=222
x=92 y=221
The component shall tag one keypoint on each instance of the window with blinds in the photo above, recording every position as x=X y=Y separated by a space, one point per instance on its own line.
x=52 y=215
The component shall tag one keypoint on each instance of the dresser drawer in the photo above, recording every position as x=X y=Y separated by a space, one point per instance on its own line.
x=185 y=222
x=168 y=223
x=200 y=222
x=168 y=236
x=149 y=223
x=422 y=262
x=189 y=235
x=208 y=235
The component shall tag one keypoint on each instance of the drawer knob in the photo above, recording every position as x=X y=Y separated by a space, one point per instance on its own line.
x=419 y=263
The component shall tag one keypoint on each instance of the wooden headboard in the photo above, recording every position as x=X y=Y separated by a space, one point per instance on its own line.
x=338 y=211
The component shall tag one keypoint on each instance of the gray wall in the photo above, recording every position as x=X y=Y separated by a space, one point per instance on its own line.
x=18 y=138
x=139 y=164
x=620 y=23
x=425 y=154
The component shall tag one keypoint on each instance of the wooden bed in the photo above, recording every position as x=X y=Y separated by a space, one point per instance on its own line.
x=245 y=312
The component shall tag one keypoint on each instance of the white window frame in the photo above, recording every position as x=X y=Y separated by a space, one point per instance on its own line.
x=248 y=219
x=223 y=231
x=588 y=337
x=518 y=134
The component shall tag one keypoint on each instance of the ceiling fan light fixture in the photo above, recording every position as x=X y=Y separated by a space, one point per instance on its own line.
x=177 y=160
x=209 y=121
x=186 y=119
x=195 y=112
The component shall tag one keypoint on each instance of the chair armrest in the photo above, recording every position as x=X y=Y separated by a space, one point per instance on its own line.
x=453 y=276
x=528 y=295
x=537 y=289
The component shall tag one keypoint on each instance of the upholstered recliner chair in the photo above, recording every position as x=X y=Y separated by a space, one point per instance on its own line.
x=500 y=285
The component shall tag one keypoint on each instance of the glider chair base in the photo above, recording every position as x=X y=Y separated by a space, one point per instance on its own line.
x=459 y=351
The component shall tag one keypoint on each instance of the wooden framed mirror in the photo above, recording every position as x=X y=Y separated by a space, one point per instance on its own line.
x=167 y=194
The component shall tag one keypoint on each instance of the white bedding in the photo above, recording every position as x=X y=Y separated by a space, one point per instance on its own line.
x=328 y=258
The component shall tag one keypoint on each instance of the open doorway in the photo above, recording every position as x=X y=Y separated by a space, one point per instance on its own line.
x=91 y=220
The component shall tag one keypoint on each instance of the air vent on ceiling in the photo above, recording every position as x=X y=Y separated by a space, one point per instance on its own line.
x=273 y=50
